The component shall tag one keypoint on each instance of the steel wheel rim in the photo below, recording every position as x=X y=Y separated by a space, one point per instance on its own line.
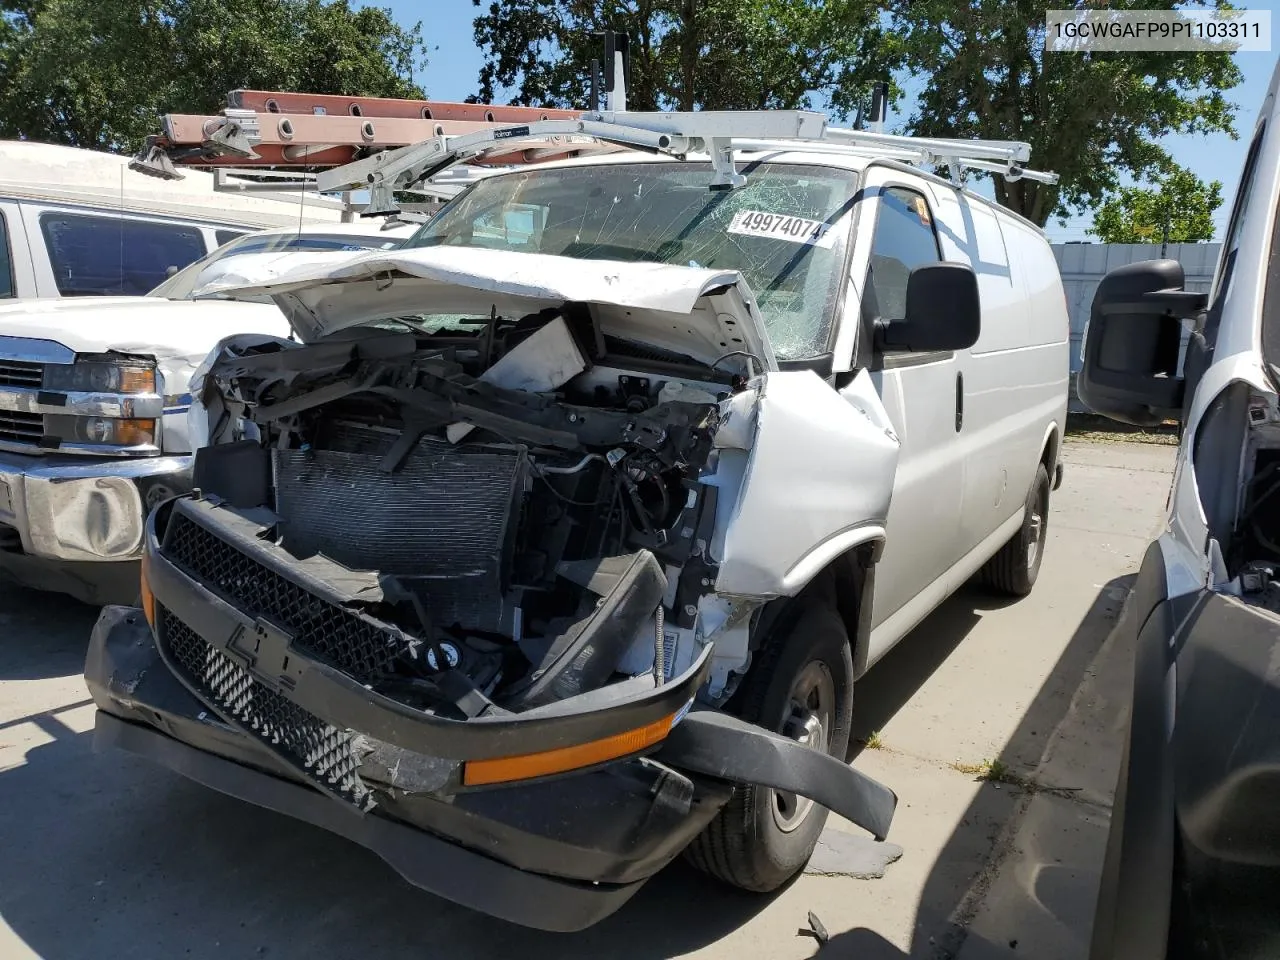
x=806 y=719
x=1037 y=529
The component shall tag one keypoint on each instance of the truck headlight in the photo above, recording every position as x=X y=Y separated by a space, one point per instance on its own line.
x=102 y=375
x=104 y=430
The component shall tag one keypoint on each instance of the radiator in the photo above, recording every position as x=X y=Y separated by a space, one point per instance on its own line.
x=443 y=523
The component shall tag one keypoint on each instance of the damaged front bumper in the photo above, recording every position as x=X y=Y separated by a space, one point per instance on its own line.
x=224 y=698
x=76 y=525
x=511 y=852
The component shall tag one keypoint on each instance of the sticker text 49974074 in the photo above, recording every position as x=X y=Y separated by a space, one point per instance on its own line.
x=779 y=226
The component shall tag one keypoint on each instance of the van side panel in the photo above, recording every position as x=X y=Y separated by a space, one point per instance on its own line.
x=1015 y=376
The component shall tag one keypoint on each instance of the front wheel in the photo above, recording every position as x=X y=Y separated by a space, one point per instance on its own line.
x=801 y=685
x=1014 y=569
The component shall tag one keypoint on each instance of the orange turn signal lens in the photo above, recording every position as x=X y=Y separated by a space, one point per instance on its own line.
x=148 y=598
x=137 y=380
x=527 y=766
x=135 y=433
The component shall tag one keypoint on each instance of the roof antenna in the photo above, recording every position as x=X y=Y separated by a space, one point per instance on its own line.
x=617 y=64
x=879 y=106
x=593 y=101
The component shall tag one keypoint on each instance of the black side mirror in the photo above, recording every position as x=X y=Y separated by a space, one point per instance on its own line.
x=1131 y=345
x=943 y=311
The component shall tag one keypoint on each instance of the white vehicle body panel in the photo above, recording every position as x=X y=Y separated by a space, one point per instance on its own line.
x=974 y=424
x=1237 y=356
x=839 y=501
x=703 y=313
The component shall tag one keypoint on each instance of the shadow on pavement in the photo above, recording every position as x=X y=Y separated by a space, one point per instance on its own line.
x=955 y=888
x=905 y=668
x=42 y=635
x=106 y=849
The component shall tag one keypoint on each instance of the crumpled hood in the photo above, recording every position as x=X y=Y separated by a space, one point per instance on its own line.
x=703 y=313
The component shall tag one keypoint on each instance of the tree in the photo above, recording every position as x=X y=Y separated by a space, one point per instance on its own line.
x=1091 y=117
x=1180 y=200
x=98 y=73
x=686 y=54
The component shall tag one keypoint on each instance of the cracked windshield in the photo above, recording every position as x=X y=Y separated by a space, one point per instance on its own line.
x=784 y=231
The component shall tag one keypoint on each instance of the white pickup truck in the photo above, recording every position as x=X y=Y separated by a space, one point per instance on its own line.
x=93 y=403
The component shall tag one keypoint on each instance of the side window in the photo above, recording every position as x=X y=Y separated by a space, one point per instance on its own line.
x=1238 y=212
x=6 y=261
x=903 y=239
x=226 y=236
x=95 y=255
x=1205 y=332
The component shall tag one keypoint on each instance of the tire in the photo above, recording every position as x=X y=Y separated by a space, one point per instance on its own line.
x=1014 y=569
x=762 y=838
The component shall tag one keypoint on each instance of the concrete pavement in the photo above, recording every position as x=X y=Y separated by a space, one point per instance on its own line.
x=105 y=855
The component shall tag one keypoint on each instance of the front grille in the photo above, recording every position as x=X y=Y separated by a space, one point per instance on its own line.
x=21 y=427
x=319 y=751
x=342 y=638
x=20 y=373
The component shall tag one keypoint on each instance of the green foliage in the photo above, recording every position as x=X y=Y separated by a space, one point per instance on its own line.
x=686 y=54
x=1179 y=198
x=98 y=73
x=1091 y=117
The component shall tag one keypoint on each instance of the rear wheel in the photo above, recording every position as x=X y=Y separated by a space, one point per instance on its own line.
x=801 y=685
x=1014 y=569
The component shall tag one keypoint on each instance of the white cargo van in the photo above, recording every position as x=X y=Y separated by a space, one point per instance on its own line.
x=604 y=492
x=81 y=223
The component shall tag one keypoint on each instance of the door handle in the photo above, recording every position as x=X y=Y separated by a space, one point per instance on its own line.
x=959 y=400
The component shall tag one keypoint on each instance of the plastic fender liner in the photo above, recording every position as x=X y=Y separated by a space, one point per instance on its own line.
x=723 y=746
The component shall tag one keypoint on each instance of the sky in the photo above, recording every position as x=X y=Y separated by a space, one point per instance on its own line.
x=454 y=63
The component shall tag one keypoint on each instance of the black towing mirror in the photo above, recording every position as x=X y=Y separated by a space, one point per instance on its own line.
x=943 y=311
x=1131 y=345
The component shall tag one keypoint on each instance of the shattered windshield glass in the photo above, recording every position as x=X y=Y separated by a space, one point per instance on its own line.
x=784 y=231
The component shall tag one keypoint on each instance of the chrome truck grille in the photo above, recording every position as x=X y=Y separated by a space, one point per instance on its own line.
x=17 y=427
x=20 y=373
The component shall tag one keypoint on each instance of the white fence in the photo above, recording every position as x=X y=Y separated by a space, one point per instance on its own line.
x=1083 y=265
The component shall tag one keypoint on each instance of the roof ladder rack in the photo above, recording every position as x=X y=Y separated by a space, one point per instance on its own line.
x=386 y=146
x=717 y=134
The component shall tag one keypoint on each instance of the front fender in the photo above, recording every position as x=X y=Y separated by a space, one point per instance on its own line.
x=818 y=483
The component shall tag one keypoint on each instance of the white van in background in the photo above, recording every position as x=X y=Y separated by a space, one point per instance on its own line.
x=80 y=223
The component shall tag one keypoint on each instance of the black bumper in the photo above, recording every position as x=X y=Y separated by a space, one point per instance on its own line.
x=436 y=865
x=556 y=855
x=512 y=853
x=234 y=702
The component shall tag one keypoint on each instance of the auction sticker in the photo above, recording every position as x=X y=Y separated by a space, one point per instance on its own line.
x=779 y=226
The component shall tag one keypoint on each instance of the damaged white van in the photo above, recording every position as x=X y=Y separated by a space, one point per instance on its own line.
x=554 y=545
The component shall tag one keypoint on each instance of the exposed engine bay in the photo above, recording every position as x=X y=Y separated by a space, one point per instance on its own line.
x=521 y=499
